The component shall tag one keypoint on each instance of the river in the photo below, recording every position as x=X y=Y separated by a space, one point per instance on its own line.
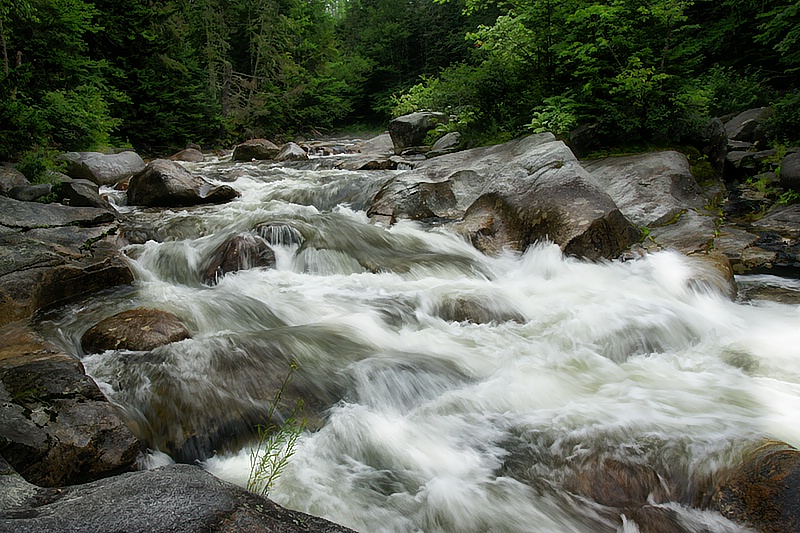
x=454 y=390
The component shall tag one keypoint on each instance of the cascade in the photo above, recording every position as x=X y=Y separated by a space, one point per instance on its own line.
x=444 y=390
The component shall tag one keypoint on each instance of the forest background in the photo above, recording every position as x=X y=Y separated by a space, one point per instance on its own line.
x=156 y=75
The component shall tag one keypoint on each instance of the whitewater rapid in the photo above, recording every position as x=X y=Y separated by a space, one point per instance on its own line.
x=461 y=386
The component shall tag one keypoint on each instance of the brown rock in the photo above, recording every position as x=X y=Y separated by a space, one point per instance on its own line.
x=190 y=155
x=614 y=483
x=164 y=183
x=240 y=252
x=763 y=491
x=260 y=149
x=136 y=329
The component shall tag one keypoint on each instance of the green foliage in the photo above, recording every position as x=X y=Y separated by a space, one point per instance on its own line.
x=78 y=119
x=39 y=164
x=275 y=444
x=784 y=124
x=731 y=91
x=558 y=115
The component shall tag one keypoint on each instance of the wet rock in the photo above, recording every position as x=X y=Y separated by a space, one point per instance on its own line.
x=493 y=226
x=291 y=152
x=165 y=183
x=280 y=234
x=615 y=483
x=50 y=252
x=10 y=178
x=240 y=252
x=541 y=187
x=650 y=189
x=410 y=130
x=58 y=427
x=366 y=162
x=174 y=499
x=189 y=155
x=82 y=193
x=135 y=329
x=260 y=149
x=103 y=169
x=460 y=308
x=713 y=272
x=732 y=242
x=763 y=490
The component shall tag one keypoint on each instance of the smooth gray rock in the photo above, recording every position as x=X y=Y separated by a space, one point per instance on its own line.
x=30 y=193
x=291 y=152
x=445 y=144
x=381 y=144
x=190 y=155
x=165 y=183
x=650 y=189
x=171 y=499
x=28 y=215
x=239 y=252
x=135 y=329
x=747 y=125
x=259 y=149
x=103 y=169
x=410 y=130
x=691 y=232
x=82 y=193
x=538 y=183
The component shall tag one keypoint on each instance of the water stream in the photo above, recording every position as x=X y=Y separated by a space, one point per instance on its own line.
x=450 y=391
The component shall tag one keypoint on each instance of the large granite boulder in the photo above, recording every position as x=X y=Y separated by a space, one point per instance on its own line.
x=170 y=499
x=531 y=189
x=135 y=329
x=240 y=252
x=58 y=428
x=51 y=252
x=747 y=126
x=103 y=169
x=650 y=189
x=81 y=193
x=763 y=489
x=164 y=183
x=410 y=130
x=260 y=149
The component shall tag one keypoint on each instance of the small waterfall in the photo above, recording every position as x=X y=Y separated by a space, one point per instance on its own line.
x=444 y=390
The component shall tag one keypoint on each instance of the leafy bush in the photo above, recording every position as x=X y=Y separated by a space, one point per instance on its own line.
x=40 y=164
x=79 y=118
x=784 y=124
x=558 y=115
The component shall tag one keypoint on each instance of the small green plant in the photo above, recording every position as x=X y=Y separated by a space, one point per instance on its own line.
x=789 y=197
x=557 y=115
x=275 y=444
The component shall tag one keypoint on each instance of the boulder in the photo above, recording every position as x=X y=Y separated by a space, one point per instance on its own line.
x=135 y=329
x=790 y=172
x=240 y=252
x=58 y=428
x=81 y=193
x=713 y=272
x=291 y=152
x=690 y=232
x=165 y=183
x=715 y=144
x=259 y=149
x=174 y=499
x=103 y=169
x=445 y=144
x=615 y=483
x=650 y=189
x=410 y=130
x=30 y=193
x=11 y=178
x=747 y=126
x=381 y=144
x=189 y=155
x=533 y=187
x=763 y=489
x=50 y=252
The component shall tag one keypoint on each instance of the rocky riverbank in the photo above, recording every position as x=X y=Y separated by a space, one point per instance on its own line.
x=69 y=456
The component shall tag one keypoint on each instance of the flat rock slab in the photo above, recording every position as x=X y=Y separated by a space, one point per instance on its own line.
x=29 y=215
x=176 y=498
x=135 y=329
x=690 y=233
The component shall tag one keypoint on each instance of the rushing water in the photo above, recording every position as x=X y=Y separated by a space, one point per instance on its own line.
x=453 y=391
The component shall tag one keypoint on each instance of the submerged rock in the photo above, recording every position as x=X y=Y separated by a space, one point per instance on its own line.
x=240 y=252
x=763 y=490
x=135 y=329
x=165 y=183
x=175 y=498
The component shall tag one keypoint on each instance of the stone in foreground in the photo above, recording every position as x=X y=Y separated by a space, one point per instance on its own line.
x=164 y=183
x=135 y=329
